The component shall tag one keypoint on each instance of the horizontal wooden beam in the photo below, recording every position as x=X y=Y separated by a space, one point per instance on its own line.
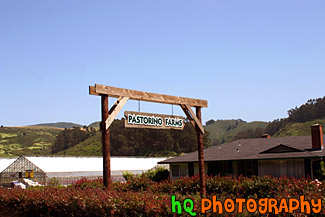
x=145 y=96
x=92 y=91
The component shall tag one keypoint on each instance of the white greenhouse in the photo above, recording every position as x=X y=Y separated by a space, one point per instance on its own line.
x=67 y=170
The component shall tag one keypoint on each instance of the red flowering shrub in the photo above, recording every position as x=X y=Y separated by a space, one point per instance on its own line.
x=84 y=183
x=142 y=197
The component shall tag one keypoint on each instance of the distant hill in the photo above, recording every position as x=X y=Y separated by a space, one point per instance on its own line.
x=299 y=129
x=59 y=125
x=222 y=131
x=35 y=140
x=95 y=124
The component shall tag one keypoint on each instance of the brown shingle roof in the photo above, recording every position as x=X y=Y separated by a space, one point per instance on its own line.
x=250 y=149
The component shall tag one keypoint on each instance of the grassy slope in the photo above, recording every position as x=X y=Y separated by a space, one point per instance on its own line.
x=225 y=130
x=299 y=129
x=89 y=147
x=16 y=141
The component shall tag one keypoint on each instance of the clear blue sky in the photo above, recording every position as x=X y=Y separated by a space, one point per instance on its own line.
x=252 y=60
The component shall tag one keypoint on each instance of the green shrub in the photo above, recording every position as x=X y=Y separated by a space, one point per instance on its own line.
x=320 y=170
x=157 y=174
x=161 y=175
x=54 y=182
x=127 y=175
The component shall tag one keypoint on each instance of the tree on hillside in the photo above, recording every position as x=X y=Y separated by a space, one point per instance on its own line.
x=153 y=142
x=311 y=110
x=211 y=121
x=139 y=142
x=250 y=133
x=70 y=137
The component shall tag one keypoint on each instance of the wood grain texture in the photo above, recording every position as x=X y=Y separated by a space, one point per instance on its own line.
x=92 y=91
x=188 y=115
x=115 y=109
x=145 y=96
x=195 y=118
x=106 y=145
x=192 y=117
x=200 y=154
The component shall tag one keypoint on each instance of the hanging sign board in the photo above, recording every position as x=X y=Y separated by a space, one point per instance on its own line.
x=153 y=121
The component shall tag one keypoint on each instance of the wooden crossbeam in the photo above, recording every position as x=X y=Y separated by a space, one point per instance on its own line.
x=115 y=109
x=192 y=117
x=145 y=96
x=92 y=91
x=188 y=115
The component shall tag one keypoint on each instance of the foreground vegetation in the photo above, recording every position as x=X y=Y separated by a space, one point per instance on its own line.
x=140 y=196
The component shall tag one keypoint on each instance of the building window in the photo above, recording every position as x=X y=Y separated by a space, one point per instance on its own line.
x=175 y=170
x=183 y=170
x=278 y=168
x=179 y=170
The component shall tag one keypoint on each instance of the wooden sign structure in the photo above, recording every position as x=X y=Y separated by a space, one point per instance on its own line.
x=123 y=95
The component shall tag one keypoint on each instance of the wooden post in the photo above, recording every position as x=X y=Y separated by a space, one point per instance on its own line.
x=106 y=144
x=200 y=153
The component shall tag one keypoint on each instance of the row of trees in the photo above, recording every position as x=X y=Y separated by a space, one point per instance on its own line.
x=70 y=137
x=151 y=142
x=136 y=142
x=250 y=133
x=313 y=109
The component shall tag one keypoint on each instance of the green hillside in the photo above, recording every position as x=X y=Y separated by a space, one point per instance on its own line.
x=59 y=125
x=299 y=129
x=135 y=142
x=39 y=140
x=16 y=141
x=90 y=147
x=222 y=131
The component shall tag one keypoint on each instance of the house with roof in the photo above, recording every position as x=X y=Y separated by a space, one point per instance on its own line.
x=292 y=156
x=67 y=170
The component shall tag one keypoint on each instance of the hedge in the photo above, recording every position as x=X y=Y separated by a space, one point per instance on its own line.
x=140 y=196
